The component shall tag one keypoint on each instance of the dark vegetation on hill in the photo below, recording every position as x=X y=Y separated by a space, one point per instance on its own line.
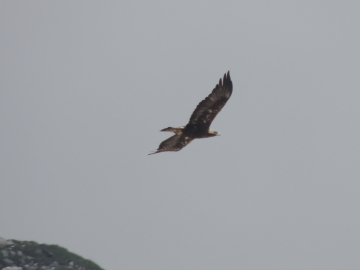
x=32 y=256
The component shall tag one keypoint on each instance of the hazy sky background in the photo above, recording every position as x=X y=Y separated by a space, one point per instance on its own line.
x=87 y=85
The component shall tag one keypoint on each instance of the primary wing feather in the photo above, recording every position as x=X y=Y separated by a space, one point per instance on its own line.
x=174 y=143
x=207 y=109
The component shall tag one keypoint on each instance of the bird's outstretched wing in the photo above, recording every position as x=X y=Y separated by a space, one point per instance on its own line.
x=207 y=109
x=174 y=143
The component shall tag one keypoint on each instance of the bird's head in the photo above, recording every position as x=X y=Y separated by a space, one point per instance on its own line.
x=214 y=132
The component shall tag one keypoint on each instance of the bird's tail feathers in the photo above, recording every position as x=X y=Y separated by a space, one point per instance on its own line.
x=177 y=130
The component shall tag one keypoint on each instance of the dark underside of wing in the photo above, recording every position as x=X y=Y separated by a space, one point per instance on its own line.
x=207 y=109
x=174 y=143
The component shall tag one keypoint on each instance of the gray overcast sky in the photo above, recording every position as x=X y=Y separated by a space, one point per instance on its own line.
x=87 y=85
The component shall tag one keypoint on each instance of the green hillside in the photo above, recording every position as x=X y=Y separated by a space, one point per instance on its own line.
x=32 y=256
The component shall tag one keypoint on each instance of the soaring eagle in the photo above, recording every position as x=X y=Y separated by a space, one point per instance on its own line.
x=200 y=120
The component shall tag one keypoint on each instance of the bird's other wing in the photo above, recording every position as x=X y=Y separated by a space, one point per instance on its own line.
x=174 y=143
x=207 y=109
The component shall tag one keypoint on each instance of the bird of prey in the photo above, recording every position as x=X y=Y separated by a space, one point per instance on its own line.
x=200 y=120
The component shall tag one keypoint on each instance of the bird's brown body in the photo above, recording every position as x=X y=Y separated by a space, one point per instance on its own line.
x=200 y=120
x=192 y=130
